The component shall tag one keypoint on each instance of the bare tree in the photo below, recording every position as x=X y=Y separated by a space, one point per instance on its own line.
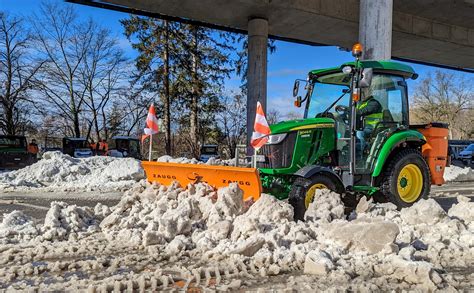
x=101 y=74
x=273 y=116
x=135 y=103
x=17 y=73
x=445 y=97
x=63 y=41
x=231 y=121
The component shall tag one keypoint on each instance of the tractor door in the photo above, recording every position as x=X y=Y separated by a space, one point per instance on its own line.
x=382 y=109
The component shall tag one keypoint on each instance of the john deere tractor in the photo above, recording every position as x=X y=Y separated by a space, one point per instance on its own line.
x=354 y=139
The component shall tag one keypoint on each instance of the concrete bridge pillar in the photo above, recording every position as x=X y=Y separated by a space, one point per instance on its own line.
x=257 y=70
x=375 y=29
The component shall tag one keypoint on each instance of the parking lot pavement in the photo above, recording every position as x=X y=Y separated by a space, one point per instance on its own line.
x=36 y=204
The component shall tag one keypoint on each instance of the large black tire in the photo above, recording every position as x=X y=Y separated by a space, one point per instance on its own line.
x=299 y=191
x=401 y=179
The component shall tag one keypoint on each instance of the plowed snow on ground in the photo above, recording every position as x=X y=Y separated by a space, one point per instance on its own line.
x=169 y=237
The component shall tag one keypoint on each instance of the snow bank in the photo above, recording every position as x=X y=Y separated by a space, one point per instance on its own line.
x=457 y=174
x=57 y=171
x=167 y=235
x=212 y=161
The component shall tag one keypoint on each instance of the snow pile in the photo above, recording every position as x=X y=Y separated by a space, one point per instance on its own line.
x=458 y=174
x=64 y=221
x=180 y=160
x=463 y=211
x=213 y=239
x=57 y=171
x=212 y=161
x=17 y=226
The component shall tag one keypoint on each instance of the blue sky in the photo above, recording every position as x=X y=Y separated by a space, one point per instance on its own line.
x=290 y=61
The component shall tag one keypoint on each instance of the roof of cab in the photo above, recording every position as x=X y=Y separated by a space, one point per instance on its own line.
x=378 y=66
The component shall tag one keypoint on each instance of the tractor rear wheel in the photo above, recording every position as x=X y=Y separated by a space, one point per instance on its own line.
x=406 y=179
x=303 y=191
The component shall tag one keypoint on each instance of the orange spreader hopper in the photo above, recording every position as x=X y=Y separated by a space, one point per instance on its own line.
x=216 y=176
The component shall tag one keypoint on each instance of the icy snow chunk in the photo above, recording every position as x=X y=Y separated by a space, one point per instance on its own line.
x=463 y=210
x=318 y=263
x=364 y=205
x=229 y=204
x=456 y=174
x=425 y=211
x=250 y=246
x=62 y=219
x=17 y=226
x=371 y=235
x=326 y=206
x=266 y=213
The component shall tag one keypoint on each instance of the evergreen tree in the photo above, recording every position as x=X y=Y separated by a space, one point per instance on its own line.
x=155 y=41
x=206 y=61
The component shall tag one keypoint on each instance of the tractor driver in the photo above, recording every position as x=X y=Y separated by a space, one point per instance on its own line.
x=369 y=113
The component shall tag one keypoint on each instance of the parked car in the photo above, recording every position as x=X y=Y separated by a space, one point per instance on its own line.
x=77 y=147
x=125 y=146
x=467 y=154
x=208 y=151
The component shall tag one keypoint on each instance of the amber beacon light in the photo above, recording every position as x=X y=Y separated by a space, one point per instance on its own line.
x=357 y=50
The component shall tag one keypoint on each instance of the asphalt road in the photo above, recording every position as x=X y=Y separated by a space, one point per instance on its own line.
x=37 y=204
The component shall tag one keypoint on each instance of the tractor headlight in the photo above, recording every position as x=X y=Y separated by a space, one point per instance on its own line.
x=276 y=138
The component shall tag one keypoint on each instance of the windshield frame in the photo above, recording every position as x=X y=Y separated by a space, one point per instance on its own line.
x=313 y=81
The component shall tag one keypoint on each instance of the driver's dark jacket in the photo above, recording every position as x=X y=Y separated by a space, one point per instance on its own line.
x=370 y=111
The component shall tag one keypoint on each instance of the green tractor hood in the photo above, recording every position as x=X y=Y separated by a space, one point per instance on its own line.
x=300 y=124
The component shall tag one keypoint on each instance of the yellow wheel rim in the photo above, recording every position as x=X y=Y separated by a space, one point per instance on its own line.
x=410 y=183
x=312 y=192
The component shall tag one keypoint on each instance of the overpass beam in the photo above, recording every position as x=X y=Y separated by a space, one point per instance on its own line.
x=256 y=70
x=375 y=29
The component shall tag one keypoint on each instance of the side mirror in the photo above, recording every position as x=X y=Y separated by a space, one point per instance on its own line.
x=298 y=102
x=366 y=78
x=296 y=87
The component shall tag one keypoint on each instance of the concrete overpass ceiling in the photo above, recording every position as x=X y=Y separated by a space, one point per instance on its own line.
x=455 y=12
x=439 y=32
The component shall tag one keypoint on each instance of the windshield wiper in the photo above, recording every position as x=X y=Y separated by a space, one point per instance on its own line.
x=345 y=91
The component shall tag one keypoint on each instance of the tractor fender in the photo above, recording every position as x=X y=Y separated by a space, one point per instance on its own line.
x=393 y=142
x=310 y=170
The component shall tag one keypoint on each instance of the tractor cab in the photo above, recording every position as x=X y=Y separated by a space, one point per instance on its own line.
x=76 y=147
x=124 y=147
x=381 y=110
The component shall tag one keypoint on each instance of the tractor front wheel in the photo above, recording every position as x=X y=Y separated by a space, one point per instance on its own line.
x=406 y=179
x=303 y=191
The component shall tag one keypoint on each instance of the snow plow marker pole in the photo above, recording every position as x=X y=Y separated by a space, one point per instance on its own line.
x=150 y=147
x=216 y=176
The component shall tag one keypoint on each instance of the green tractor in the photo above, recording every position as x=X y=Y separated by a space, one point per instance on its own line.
x=355 y=139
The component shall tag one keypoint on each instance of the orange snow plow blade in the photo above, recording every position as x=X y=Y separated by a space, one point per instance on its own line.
x=216 y=176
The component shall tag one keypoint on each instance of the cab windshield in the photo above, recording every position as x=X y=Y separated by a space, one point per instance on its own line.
x=325 y=91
